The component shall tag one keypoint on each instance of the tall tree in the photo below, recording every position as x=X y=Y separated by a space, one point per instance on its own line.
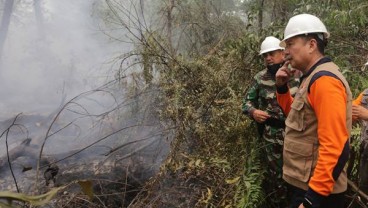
x=39 y=17
x=4 y=27
x=170 y=8
x=260 y=15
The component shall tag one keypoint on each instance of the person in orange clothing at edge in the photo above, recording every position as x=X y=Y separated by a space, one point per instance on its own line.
x=360 y=113
x=318 y=123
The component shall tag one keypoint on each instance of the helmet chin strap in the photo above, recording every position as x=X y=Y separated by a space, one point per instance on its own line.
x=272 y=69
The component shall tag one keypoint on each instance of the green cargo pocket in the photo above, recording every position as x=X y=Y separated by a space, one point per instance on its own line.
x=297 y=159
x=295 y=119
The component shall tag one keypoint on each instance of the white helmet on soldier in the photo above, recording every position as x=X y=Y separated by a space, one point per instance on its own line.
x=304 y=24
x=270 y=43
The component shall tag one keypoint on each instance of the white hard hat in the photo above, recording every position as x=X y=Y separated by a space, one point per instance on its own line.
x=270 y=43
x=304 y=24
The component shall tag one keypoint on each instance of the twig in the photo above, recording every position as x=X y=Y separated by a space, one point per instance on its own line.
x=72 y=101
x=356 y=189
x=7 y=150
x=93 y=143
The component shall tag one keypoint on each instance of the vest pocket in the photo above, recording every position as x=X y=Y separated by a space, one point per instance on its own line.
x=295 y=119
x=297 y=159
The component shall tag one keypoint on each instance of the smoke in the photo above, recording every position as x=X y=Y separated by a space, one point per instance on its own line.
x=60 y=53
x=56 y=52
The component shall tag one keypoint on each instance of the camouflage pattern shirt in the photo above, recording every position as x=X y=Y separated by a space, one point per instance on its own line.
x=262 y=95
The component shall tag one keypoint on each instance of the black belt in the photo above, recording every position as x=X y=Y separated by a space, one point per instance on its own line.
x=274 y=122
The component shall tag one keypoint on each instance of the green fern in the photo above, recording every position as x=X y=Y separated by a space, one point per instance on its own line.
x=249 y=192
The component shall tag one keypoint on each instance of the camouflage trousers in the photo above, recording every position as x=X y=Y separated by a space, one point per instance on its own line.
x=275 y=188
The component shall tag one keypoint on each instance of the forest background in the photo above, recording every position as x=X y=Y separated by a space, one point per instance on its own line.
x=199 y=57
x=205 y=54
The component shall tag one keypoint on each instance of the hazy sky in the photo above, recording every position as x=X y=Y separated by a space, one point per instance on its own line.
x=69 y=55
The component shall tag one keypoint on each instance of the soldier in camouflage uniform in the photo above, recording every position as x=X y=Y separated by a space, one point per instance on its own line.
x=360 y=112
x=260 y=104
